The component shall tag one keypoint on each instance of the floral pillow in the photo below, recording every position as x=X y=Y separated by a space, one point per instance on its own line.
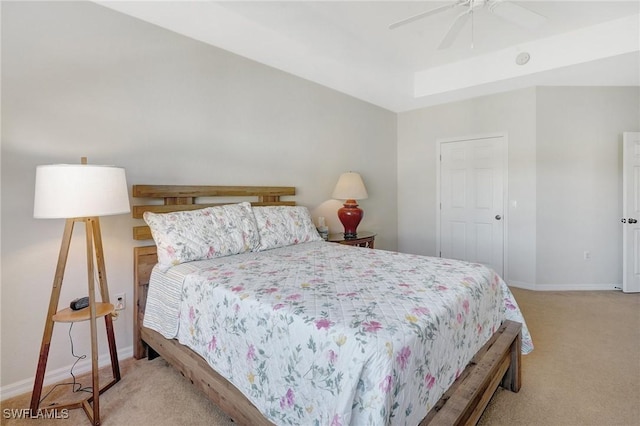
x=203 y=234
x=281 y=226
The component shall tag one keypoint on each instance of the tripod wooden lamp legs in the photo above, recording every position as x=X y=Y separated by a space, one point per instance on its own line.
x=95 y=310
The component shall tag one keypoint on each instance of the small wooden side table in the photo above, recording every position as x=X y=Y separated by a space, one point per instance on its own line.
x=90 y=405
x=364 y=239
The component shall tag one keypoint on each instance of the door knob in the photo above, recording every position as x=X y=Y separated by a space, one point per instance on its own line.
x=498 y=217
x=632 y=220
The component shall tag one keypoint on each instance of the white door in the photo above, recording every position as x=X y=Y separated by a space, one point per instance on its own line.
x=631 y=212
x=472 y=196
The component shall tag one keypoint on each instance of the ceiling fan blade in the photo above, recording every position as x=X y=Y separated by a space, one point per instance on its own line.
x=454 y=30
x=427 y=13
x=517 y=14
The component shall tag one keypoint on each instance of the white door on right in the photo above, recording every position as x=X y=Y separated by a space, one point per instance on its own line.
x=472 y=194
x=631 y=212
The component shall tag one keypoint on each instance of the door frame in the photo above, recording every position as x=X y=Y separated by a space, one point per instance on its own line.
x=505 y=190
x=626 y=136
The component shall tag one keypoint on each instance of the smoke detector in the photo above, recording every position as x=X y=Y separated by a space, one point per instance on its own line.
x=523 y=58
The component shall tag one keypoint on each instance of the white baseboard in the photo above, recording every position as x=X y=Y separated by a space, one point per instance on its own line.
x=61 y=374
x=577 y=287
x=564 y=287
x=521 y=284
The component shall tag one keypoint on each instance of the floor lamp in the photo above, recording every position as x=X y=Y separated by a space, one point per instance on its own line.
x=80 y=193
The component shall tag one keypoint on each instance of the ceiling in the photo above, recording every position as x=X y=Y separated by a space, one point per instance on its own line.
x=348 y=46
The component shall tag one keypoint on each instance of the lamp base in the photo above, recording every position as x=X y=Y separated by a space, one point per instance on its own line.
x=91 y=405
x=350 y=215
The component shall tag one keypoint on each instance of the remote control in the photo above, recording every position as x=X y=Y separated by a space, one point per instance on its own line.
x=79 y=303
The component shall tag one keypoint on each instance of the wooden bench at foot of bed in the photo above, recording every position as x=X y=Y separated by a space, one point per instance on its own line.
x=496 y=363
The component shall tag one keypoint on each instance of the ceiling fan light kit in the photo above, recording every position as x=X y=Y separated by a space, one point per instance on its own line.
x=509 y=11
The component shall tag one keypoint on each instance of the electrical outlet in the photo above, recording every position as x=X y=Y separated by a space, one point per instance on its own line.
x=121 y=301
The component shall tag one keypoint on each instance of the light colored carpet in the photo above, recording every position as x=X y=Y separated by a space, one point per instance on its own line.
x=585 y=370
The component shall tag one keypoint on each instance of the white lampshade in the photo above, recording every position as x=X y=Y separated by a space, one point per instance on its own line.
x=350 y=187
x=79 y=190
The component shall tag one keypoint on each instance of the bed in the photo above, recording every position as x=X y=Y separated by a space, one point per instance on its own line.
x=320 y=333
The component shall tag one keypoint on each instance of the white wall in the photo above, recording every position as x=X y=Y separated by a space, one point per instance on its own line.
x=579 y=191
x=565 y=173
x=418 y=131
x=82 y=80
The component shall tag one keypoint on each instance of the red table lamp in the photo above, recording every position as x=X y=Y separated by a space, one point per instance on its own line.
x=350 y=187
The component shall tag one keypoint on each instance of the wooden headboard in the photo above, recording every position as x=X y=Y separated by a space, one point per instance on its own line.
x=171 y=198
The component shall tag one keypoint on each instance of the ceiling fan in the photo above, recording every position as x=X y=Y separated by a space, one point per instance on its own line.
x=505 y=9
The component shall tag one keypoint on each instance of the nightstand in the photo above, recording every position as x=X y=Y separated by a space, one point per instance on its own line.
x=364 y=239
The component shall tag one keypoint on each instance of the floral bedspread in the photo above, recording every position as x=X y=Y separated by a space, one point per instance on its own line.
x=326 y=334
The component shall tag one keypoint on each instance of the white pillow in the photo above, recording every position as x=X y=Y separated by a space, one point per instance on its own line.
x=203 y=234
x=281 y=226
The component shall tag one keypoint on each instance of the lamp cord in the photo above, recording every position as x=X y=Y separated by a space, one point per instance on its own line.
x=76 y=386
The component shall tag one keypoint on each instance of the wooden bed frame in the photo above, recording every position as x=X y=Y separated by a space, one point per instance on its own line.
x=497 y=362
